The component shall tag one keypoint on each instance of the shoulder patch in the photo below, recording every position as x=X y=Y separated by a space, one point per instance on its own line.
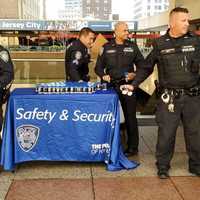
x=4 y=56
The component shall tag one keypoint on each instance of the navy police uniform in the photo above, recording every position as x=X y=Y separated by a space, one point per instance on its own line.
x=178 y=62
x=6 y=75
x=77 y=58
x=117 y=60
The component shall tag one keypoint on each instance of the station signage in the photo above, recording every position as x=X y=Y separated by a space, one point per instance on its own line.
x=73 y=25
x=33 y=25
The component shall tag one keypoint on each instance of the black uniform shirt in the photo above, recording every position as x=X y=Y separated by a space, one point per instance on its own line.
x=6 y=68
x=77 y=58
x=116 y=60
x=177 y=59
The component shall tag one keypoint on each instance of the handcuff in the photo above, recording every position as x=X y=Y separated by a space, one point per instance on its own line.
x=125 y=91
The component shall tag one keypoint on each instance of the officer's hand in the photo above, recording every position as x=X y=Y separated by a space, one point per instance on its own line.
x=127 y=87
x=87 y=78
x=106 y=78
x=130 y=76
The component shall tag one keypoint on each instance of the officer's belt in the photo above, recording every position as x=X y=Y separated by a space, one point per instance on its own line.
x=193 y=91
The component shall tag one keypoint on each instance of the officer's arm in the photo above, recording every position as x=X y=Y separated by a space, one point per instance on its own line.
x=6 y=68
x=198 y=52
x=85 y=63
x=66 y=63
x=100 y=64
x=145 y=69
x=75 y=62
x=139 y=58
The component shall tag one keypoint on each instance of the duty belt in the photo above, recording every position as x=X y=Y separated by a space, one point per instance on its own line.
x=194 y=91
x=168 y=95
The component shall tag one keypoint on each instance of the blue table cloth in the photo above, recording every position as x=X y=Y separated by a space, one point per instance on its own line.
x=70 y=127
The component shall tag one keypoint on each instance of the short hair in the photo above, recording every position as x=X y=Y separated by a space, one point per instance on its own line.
x=118 y=24
x=177 y=10
x=85 y=31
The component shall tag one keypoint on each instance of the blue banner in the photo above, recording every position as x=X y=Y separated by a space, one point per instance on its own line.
x=74 y=127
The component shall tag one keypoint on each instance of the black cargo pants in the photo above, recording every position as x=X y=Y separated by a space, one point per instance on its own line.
x=128 y=104
x=187 y=109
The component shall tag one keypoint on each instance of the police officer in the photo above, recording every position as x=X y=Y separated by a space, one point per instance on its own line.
x=77 y=56
x=115 y=64
x=6 y=76
x=177 y=57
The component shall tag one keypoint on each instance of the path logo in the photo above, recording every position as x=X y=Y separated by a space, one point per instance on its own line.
x=27 y=136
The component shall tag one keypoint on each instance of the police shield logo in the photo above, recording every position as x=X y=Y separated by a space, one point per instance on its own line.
x=27 y=136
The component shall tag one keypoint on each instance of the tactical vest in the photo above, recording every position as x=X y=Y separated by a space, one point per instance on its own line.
x=119 y=59
x=178 y=61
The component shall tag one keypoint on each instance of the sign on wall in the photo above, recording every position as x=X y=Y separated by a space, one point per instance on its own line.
x=33 y=25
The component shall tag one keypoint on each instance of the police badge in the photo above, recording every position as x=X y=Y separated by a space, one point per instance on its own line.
x=27 y=136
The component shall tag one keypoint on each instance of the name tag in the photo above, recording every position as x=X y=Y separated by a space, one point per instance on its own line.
x=128 y=49
x=188 y=48
x=111 y=51
x=166 y=51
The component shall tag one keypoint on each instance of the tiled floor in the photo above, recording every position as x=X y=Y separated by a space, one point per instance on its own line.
x=91 y=181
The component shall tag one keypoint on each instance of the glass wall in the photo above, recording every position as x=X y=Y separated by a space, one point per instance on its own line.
x=38 y=46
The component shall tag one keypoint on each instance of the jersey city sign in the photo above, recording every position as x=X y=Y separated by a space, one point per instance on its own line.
x=68 y=25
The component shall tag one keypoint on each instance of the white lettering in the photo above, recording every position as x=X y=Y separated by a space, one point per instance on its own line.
x=89 y=117
x=93 y=117
x=12 y=25
x=19 y=113
x=76 y=115
x=83 y=117
x=35 y=114
x=33 y=25
x=40 y=115
x=51 y=116
x=100 y=148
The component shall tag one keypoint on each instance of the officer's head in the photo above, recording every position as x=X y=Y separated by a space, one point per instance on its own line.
x=121 y=31
x=87 y=36
x=179 y=21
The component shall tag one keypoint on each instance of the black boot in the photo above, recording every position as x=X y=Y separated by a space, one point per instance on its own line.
x=130 y=152
x=163 y=173
x=195 y=172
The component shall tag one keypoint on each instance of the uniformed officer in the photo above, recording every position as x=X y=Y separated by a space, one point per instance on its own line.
x=116 y=64
x=177 y=56
x=6 y=75
x=77 y=56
